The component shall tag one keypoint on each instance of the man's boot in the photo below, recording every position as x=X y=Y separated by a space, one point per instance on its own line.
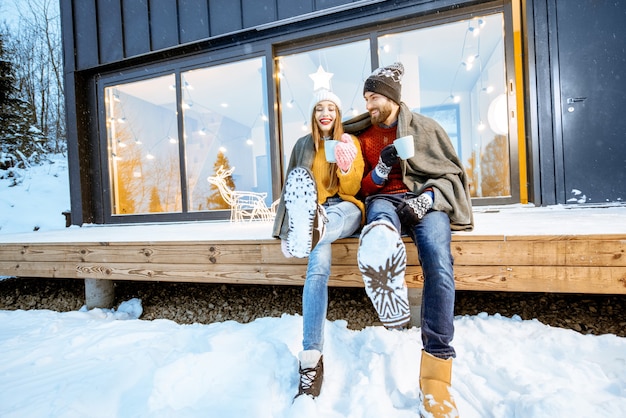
x=382 y=262
x=435 y=378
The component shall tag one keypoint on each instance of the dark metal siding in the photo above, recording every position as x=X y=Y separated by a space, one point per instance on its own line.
x=163 y=24
x=136 y=27
x=110 y=30
x=194 y=20
x=258 y=12
x=290 y=8
x=85 y=34
x=225 y=16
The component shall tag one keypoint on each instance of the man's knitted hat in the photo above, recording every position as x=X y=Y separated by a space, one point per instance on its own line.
x=323 y=94
x=386 y=81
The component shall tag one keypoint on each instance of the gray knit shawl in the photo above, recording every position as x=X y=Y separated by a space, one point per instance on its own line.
x=435 y=164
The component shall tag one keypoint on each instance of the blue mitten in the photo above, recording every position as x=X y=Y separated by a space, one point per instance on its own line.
x=412 y=210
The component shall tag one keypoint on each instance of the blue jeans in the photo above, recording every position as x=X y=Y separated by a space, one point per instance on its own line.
x=432 y=236
x=344 y=218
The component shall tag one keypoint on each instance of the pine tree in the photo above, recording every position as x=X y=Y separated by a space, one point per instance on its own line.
x=495 y=168
x=215 y=200
x=22 y=143
x=155 y=201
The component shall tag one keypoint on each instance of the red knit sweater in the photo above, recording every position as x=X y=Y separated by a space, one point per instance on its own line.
x=373 y=140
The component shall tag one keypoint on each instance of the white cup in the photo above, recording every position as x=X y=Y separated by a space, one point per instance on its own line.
x=405 y=147
x=329 y=148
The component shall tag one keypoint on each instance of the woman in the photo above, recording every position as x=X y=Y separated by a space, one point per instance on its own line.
x=317 y=207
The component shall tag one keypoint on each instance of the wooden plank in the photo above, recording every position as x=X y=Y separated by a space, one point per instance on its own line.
x=565 y=279
x=539 y=253
x=38 y=269
x=559 y=279
x=234 y=273
x=194 y=253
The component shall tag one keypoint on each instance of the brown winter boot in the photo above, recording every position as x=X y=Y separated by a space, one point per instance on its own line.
x=435 y=377
x=311 y=373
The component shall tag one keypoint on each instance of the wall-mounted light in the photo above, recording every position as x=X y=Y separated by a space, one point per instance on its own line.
x=497 y=115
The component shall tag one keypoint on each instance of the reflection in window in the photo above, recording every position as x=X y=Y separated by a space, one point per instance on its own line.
x=142 y=138
x=343 y=69
x=455 y=73
x=226 y=125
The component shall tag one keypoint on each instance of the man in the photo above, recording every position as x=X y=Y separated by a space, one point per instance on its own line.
x=425 y=196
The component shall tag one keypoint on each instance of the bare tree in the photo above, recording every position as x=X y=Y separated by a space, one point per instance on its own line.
x=36 y=40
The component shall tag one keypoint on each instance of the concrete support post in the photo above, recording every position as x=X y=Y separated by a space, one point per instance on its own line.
x=415 y=305
x=99 y=293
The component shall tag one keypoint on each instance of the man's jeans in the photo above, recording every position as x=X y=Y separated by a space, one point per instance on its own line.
x=344 y=218
x=432 y=237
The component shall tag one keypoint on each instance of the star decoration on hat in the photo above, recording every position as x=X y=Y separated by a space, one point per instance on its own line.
x=321 y=79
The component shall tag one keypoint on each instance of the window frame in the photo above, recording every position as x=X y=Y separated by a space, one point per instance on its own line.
x=375 y=31
x=177 y=67
x=270 y=48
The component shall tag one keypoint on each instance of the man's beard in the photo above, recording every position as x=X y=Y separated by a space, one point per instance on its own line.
x=383 y=114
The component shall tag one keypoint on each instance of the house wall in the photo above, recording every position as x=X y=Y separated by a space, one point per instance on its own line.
x=107 y=35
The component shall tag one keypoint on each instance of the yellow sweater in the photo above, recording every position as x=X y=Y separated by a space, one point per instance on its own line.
x=304 y=155
x=349 y=183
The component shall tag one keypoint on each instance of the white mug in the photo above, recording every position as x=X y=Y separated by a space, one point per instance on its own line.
x=329 y=148
x=405 y=147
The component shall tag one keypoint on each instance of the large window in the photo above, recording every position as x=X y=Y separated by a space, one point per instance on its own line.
x=160 y=160
x=142 y=133
x=455 y=73
x=226 y=125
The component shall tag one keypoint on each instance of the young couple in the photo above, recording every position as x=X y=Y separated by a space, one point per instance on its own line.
x=425 y=196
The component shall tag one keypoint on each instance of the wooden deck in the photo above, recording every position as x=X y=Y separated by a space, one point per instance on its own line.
x=521 y=250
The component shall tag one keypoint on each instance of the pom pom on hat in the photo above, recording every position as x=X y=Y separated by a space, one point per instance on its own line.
x=386 y=81
x=324 y=94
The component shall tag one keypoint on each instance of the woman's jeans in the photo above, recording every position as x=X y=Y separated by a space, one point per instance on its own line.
x=432 y=236
x=344 y=219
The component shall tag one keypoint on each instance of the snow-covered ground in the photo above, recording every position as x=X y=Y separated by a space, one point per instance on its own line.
x=108 y=363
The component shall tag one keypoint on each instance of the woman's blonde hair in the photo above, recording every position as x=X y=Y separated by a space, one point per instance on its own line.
x=335 y=133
